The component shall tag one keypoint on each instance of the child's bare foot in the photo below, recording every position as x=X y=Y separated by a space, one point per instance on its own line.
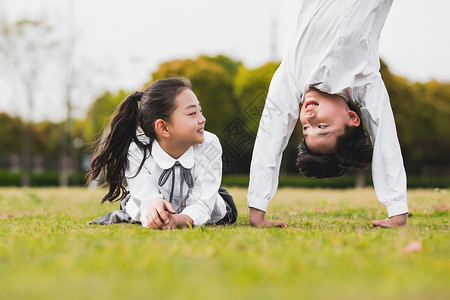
x=257 y=219
x=394 y=221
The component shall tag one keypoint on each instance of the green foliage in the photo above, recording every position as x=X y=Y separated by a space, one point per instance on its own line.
x=40 y=179
x=422 y=114
x=99 y=115
x=230 y=65
x=10 y=134
x=47 y=250
x=251 y=88
x=233 y=98
x=45 y=137
x=435 y=121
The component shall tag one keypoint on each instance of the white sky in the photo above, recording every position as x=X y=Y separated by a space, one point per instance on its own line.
x=119 y=43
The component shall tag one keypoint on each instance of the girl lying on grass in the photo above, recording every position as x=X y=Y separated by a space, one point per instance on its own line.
x=172 y=166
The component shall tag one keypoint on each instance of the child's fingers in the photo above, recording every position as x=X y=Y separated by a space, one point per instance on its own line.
x=153 y=220
x=163 y=216
x=169 y=207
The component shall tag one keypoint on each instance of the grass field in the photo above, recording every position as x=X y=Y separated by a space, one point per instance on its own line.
x=47 y=250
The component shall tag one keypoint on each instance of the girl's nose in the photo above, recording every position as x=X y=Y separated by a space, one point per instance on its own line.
x=202 y=119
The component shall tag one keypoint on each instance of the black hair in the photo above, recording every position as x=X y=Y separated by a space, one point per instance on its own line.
x=353 y=150
x=110 y=157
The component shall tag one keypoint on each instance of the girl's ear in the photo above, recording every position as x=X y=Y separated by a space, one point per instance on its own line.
x=161 y=128
x=354 y=118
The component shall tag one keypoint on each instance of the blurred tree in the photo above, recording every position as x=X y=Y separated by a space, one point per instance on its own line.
x=233 y=98
x=405 y=102
x=230 y=65
x=98 y=116
x=46 y=142
x=422 y=114
x=10 y=135
x=25 y=47
x=251 y=87
x=435 y=126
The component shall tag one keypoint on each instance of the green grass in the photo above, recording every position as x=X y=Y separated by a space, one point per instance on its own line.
x=47 y=250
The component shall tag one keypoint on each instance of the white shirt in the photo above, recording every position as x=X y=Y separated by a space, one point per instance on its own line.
x=204 y=205
x=333 y=47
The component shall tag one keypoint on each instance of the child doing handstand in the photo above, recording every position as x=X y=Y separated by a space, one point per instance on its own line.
x=331 y=66
x=172 y=166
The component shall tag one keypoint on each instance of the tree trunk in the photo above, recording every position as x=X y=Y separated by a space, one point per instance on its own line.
x=26 y=154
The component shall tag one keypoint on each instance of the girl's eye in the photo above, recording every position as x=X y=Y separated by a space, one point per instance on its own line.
x=322 y=126
x=305 y=127
x=193 y=113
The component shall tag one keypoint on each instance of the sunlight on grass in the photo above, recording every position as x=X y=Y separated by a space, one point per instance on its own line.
x=48 y=251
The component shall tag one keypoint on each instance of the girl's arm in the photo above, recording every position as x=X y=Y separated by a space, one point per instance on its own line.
x=207 y=178
x=146 y=204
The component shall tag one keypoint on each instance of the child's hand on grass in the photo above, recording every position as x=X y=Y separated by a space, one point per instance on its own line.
x=178 y=220
x=158 y=212
x=257 y=219
x=172 y=224
x=394 y=221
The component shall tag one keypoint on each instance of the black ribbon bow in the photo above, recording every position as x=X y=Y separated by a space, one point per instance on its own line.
x=185 y=176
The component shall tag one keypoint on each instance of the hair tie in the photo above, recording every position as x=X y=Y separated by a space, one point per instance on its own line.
x=138 y=95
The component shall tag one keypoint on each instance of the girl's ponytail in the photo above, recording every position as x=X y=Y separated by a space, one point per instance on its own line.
x=111 y=155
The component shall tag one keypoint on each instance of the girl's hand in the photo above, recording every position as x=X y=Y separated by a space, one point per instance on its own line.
x=178 y=221
x=257 y=219
x=172 y=224
x=158 y=212
x=394 y=221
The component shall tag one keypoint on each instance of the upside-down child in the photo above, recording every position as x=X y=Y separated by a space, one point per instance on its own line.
x=171 y=165
x=331 y=68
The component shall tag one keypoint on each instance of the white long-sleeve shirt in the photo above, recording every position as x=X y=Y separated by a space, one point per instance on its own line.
x=333 y=47
x=204 y=205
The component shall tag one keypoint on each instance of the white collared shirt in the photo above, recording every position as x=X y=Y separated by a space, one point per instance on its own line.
x=204 y=205
x=333 y=47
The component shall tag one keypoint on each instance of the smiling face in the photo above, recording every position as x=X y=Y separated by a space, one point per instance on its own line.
x=187 y=123
x=324 y=118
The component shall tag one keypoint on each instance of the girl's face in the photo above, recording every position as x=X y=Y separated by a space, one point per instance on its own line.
x=187 y=123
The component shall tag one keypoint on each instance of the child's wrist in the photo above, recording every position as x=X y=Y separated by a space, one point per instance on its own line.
x=183 y=220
